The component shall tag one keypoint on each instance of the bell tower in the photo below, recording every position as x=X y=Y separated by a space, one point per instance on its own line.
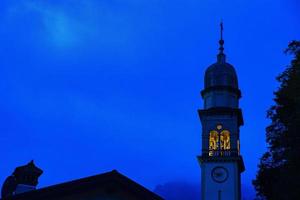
x=220 y=161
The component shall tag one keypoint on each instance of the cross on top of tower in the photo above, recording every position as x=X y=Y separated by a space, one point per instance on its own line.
x=221 y=55
x=221 y=42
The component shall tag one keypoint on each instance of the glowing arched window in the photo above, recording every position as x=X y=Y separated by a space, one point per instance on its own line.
x=225 y=140
x=213 y=140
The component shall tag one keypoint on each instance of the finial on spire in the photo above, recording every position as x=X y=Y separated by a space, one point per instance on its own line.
x=221 y=55
x=221 y=42
x=221 y=26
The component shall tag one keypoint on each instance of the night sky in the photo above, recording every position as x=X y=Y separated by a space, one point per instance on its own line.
x=88 y=86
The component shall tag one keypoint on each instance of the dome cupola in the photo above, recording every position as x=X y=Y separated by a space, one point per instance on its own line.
x=220 y=82
x=220 y=74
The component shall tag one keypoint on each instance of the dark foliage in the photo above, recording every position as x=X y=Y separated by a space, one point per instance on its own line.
x=278 y=176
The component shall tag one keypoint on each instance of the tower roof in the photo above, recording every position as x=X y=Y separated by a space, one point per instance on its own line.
x=221 y=73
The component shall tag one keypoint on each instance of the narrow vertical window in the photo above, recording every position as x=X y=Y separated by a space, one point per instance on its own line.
x=225 y=140
x=213 y=142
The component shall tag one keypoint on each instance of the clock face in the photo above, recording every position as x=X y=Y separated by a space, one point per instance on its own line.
x=219 y=174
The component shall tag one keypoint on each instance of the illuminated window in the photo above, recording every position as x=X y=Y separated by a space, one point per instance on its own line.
x=213 y=142
x=225 y=140
x=219 y=142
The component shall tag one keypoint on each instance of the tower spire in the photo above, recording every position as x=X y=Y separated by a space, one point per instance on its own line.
x=221 y=42
x=221 y=55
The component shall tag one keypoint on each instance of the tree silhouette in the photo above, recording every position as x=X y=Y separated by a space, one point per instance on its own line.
x=278 y=176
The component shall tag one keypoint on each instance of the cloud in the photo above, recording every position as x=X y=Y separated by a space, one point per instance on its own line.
x=248 y=192
x=54 y=22
x=178 y=190
x=102 y=30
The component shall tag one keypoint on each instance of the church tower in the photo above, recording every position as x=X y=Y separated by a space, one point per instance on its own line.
x=221 y=162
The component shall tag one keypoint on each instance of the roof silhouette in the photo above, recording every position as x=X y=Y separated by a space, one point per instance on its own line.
x=109 y=183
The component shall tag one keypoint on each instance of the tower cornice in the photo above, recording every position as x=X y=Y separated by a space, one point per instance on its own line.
x=222 y=111
x=221 y=87
x=207 y=159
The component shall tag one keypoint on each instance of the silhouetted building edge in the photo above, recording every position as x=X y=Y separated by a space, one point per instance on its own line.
x=111 y=183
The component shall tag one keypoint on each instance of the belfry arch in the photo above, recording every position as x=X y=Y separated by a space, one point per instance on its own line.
x=219 y=141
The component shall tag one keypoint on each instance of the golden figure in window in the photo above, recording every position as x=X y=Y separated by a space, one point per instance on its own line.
x=225 y=140
x=213 y=142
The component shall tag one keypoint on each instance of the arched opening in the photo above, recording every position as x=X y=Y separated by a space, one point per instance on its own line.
x=225 y=140
x=213 y=142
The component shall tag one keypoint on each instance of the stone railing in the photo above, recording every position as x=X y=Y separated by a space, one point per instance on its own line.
x=217 y=153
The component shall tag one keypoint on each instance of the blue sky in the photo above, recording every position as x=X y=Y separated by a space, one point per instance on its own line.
x=90 y=86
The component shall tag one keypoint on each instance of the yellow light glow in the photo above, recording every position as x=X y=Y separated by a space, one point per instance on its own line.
x=225 y=140
x=213 y=142
x=219 y=142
